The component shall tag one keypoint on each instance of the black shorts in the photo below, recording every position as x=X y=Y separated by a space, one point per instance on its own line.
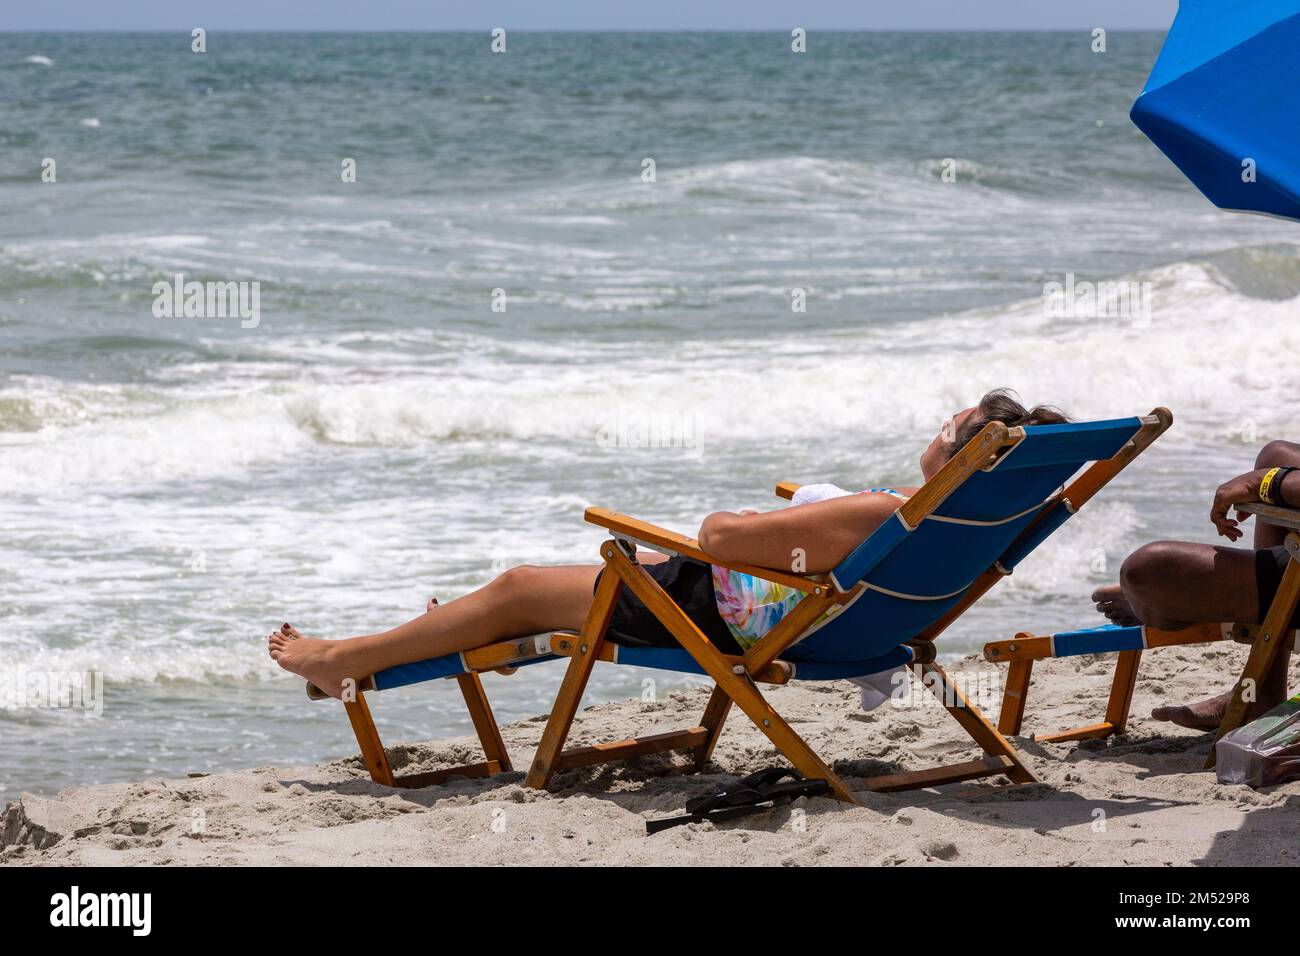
x=690 y=584
x=1270 y=564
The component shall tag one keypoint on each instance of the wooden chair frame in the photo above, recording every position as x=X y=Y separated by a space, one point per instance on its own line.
x=735 y=682
x=1022 y=650
x=493 y=657
x=1265 y=639
x=1276 y=626
x=495 y=757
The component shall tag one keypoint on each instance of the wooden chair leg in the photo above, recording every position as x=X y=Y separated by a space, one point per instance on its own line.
x=496 y=758
x=485 y=724
x=1264 y=651
x=715 y=714
x=1014 y=695
x=1117 y=706
x=1121 y=690
x=746 y=695
x=975 y=724
x=575 y=681
x=372 y=748
x=999 y=756
x=739 y=687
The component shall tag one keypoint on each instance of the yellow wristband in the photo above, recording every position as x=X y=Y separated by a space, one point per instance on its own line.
x=1266 y=486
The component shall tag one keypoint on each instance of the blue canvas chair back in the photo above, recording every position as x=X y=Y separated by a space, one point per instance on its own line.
x=911 y=576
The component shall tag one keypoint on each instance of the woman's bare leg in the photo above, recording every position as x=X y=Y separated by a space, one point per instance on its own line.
x=523 y=601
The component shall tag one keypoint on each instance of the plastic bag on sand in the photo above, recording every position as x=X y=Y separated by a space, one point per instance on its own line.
x=1265 y=751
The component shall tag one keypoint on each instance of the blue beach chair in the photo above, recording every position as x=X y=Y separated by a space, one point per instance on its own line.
x=995 y=501
x=1129 y=642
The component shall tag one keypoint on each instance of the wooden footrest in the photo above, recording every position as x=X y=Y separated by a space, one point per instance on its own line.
x=473 y=771
x=635 y=747
x=1089 y=732
x=935 y=776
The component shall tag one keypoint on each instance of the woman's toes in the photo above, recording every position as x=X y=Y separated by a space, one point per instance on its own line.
x=433 y=602
x=291 y=632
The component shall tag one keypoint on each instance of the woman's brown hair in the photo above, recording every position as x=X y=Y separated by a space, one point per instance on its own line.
x=1002 y=405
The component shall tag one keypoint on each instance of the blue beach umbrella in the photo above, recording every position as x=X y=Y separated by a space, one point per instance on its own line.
x=1223 y=102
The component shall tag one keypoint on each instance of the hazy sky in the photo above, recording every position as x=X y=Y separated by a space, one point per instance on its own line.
x=585 y=14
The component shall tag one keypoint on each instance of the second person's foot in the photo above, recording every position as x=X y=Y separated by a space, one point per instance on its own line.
x=1202 y=715
x=1114 y=606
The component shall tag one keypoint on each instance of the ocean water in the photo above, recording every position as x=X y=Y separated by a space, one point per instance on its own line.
x=173 y=488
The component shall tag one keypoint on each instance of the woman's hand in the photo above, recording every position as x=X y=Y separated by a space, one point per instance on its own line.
x=1237 y=490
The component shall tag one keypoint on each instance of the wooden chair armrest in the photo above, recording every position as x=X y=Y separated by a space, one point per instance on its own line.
x=786 y=489
x=643 y=532
x=670 y=542
x=1272 y=514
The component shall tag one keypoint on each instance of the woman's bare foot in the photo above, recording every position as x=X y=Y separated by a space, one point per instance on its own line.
x=316 y=660
x=1112 y=603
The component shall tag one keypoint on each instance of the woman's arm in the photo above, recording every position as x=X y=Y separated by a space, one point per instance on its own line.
x=807 y=539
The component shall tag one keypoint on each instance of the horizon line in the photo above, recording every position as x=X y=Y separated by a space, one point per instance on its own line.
x=594 y=30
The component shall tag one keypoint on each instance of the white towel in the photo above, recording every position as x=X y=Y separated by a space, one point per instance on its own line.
x=878 y=688
x=807 y=494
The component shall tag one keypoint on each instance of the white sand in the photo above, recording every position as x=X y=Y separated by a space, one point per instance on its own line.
x=1141 y=799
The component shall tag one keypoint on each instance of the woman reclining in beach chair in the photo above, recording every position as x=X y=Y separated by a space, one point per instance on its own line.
x=841 y=587
x=732 y=609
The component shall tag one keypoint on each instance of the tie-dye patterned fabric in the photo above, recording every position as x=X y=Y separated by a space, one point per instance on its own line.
x=752 y=606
